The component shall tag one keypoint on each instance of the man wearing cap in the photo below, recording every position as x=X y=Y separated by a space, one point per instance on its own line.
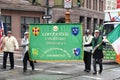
x=97 y=44
x=9 y=45
x=87 y=42
x=25 y=44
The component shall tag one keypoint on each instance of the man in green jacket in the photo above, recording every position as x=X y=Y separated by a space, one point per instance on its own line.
x=97 y=45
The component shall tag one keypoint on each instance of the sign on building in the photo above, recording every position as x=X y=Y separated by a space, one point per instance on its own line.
x=67 y=3
x=47 y=17
x=51 y=42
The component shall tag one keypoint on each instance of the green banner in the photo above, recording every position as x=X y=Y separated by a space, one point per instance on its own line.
x=109 y=53
x=55 y=42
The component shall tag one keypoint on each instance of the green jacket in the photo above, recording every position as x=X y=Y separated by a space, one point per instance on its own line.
x=99 y=41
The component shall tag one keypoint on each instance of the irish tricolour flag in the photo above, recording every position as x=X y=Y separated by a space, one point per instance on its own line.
x=114 y=38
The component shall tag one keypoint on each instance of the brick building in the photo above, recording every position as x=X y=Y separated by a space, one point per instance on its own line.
x=17 y=14
x=90 y=13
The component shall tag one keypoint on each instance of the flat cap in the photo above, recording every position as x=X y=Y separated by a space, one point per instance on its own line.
x=26 y=33
x=97 y=31
x=87 y=31
x=9 y=32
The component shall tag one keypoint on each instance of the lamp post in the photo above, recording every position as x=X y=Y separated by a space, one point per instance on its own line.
x=47 y=11
x=67 y=16
x=67 y=6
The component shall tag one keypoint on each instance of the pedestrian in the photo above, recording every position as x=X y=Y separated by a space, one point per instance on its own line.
x=97 y=44
x=9 y=45
x=87 y=42
x=26 y=58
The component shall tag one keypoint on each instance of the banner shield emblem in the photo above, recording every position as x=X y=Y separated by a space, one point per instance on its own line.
x=75 y=30
x=76 y=51
x=35 y=31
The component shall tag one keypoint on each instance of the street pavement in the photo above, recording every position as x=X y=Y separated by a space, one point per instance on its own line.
x=58 y=71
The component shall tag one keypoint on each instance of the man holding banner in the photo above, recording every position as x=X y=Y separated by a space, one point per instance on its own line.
x=87 y=42
x=97 y=44
x=9 y=45
x=25 y=44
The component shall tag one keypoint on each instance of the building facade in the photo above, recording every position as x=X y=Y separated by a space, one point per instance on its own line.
x=111 y=4
x=90 y=14
x=18 y=14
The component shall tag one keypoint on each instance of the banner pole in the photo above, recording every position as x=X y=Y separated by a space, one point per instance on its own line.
x=67 y=16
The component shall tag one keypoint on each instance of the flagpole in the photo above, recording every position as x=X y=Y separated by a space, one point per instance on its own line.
x=1 y=24
x=0 y=34
x=0 y=12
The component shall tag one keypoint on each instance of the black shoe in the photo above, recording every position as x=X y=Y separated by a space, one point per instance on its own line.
x=100 y=72
x=94 y=73
x=2 y=68
x=11 y=68
x=87 y=70
x=24 y=70
x=33 y=69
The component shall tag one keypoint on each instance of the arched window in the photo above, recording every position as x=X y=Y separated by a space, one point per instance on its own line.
x=61 y=20
x=59 y=3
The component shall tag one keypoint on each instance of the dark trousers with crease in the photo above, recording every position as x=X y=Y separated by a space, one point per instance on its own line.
x=87 y=60
x=99 y=61
x=25 y=59
x=11 y=58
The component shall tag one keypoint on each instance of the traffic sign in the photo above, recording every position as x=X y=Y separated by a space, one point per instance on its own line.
x=67 y=3
x=46 y=17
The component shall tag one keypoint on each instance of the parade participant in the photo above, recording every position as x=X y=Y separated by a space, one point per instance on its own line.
x=97 y=44
x=25 y=44
x=9 y=44
x=87 y=42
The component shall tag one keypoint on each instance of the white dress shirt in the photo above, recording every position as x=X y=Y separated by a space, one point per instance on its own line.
x=24 y=44
x=87 y=39
x=10 y=44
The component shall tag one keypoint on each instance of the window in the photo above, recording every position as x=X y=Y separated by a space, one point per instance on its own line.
x=25 y=21
x=108 y=28
x=94 y=4
x=101 y=5
x=88 y=23
x=95 y=23
x=7 y=23
x=101 y=22
x=88 y=4
x=59 y=3
x=81 y=19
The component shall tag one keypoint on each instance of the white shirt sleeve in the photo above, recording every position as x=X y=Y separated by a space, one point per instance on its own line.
x=16 y=43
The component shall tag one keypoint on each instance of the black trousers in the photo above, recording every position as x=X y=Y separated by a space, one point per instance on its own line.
x=11 y=58
x=25 y=59
x=99 y=61
x=87 y=60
